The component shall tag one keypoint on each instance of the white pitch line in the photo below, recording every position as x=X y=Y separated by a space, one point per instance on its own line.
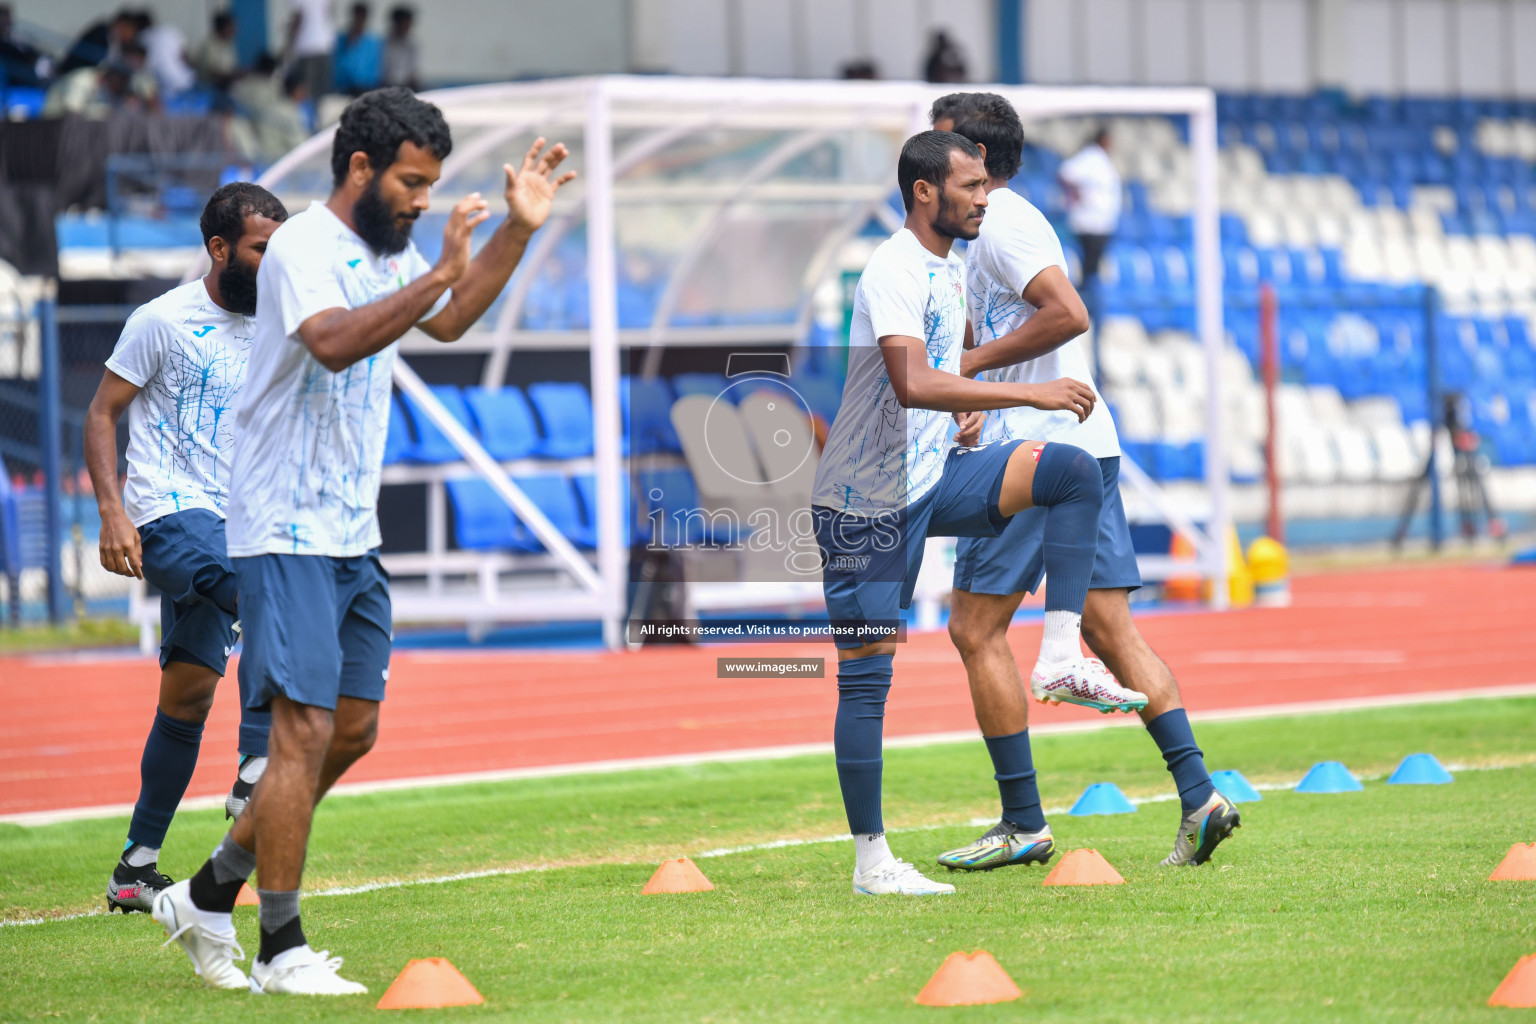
x=38 y=818
x=727 y=851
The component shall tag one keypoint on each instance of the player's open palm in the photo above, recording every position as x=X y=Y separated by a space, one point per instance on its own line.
x=531 y=188
x=121 y=549
x=1065 y=393
x=467 y=214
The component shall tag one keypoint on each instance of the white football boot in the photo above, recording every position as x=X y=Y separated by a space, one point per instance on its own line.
x=1085 y=682
x=207 y=936
x=895 y=877
x=301 y=971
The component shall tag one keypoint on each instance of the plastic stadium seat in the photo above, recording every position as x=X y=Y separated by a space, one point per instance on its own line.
x=432 y=445
x=586 y=494
x=711 y=384
x=671 y=493
x=552 y=493
x=1357 y=457
x=1396 y=457
x=565 y=410
x=398 y=442
x=507 y=427
x=481 y=520
x=647 y=407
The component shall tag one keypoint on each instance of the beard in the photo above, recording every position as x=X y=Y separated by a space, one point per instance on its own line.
x=237 y=287
x=951 y=223
x=377 y=225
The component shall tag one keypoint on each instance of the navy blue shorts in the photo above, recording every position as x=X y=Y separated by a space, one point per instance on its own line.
x=316 y=628
x=1013 y=563
x=185 y=559
x=870 y=563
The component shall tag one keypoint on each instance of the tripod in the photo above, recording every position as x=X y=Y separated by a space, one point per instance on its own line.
x=1471 y=492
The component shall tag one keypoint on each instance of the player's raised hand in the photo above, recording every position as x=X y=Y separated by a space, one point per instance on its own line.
x=121 y=550
x=1065 y=393
x=531 y=188
x=468 y=214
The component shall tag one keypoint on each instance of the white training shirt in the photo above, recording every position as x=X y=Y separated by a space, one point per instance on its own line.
x=312 y=441
x=187 y=355
x=1097 y=208
x=316 y=34
x=878 y=455
x=1016 y=243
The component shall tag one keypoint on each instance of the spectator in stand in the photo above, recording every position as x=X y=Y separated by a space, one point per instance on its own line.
x=400 y=59
x=100 y=92
x=359 y=55
x=274 y=120
x=214 y=59
x=100 y=42
x=945 y=62
x=167 y=49
x=1093 y=187
x=20 y=62
x=311 y=38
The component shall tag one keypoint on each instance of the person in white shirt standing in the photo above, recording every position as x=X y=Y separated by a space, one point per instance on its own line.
x=176 y=372
x=890 y=477
x=1093 y=200
x=341 y=283
x=311 y=37
x=1028 y=321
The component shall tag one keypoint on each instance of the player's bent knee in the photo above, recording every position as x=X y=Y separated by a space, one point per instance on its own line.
x=881 y=647
x=1067 y=473
x=306 y=727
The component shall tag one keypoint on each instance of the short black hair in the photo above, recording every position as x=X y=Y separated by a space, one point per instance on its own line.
x=224 y=216
x=925 y=157
x=402 y=12
x=987 y=120
x=222 y=21
x=378 y=122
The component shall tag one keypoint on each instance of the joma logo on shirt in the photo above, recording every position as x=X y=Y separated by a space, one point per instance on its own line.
x=203 y=332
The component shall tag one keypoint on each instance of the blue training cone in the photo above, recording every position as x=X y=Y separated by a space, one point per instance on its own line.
x=1234 y=787
x=1102 y=798
x=1329 y=777
x=1420 y=770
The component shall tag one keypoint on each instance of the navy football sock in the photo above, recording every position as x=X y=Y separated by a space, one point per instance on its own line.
x=1069 y=484
x=1014 y=770
x=1171 y=731
x=255 y=726
x=170 y=756
x=862 y=684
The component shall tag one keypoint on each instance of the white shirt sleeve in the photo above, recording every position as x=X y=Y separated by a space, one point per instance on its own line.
x=896 y=298
x=140 y=350
x=1015 y=258
x=417 y=266
x=305 y=283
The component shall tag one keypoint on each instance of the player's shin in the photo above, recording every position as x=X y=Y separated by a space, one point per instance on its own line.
x=862 y=685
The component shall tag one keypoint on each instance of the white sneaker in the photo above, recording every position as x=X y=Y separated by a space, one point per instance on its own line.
x=301 y=971
x=1085 y=682
x=207 y=936
x=895 y=877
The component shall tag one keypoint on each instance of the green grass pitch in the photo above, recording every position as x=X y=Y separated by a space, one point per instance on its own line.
x=1371 y=906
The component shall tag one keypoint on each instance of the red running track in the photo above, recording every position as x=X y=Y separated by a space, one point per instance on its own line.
x=74 y=728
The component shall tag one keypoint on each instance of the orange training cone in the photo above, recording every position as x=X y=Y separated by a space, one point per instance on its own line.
x=247 y=897
x=1083 y=867
x=964 y=979
x=1518 y=865
x=1518 y=987
x=428 y=983
x=680 y=875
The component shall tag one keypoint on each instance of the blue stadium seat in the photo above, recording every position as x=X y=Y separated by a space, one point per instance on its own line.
x=565 y=410
x=586 y=494
x=481 y=520
x=432 y=445
x=552 y=493
x=647 y=412
x=398 y=442
x=711 y=384
x=506 y=423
